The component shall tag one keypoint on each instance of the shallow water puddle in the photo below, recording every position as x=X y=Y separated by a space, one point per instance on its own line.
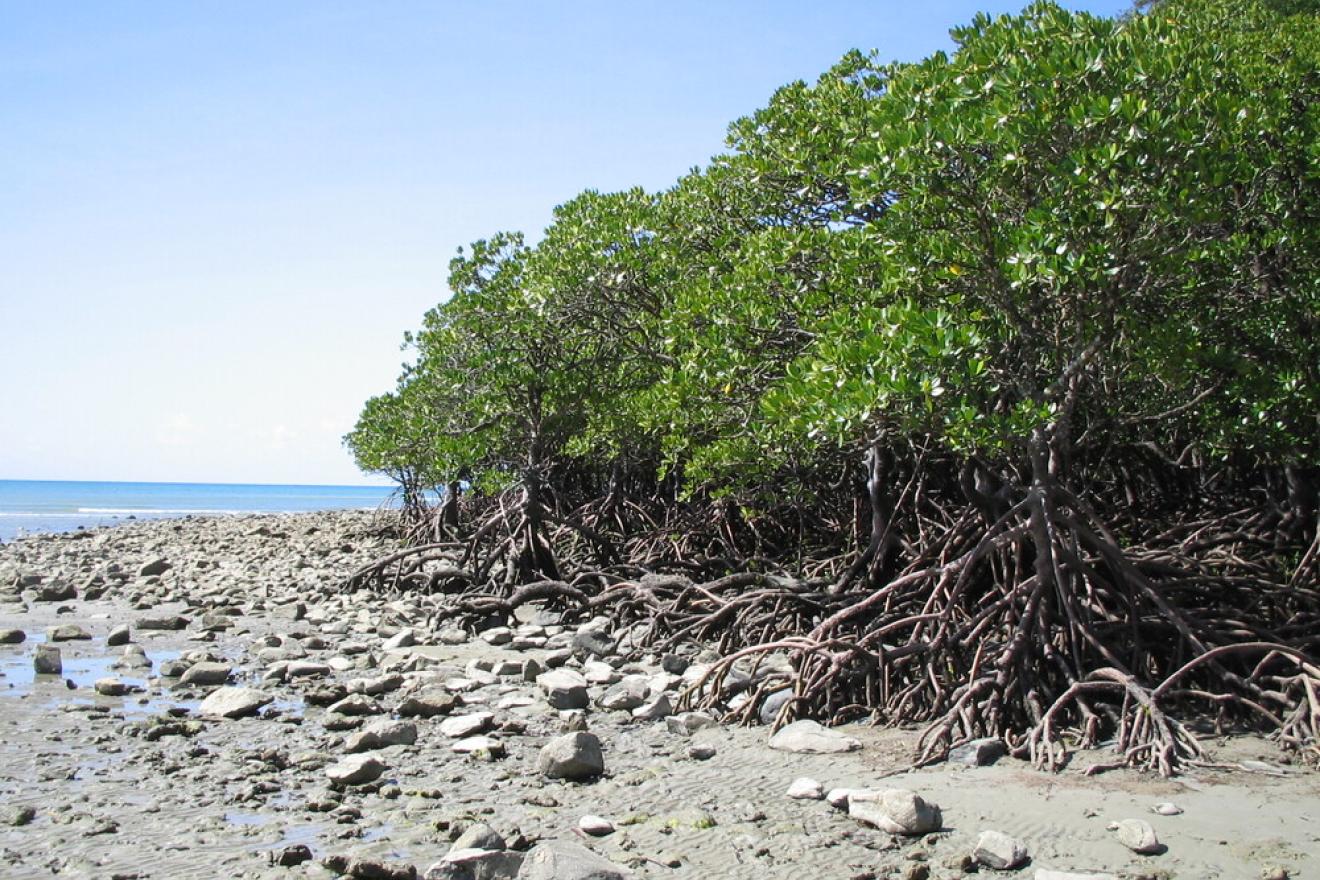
x=18 y=679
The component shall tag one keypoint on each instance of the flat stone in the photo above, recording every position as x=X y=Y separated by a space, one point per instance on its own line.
x=460 y=726
x=206 y=674
x=110 y=687
x=658 y=708
x=428 y=704
x=1138 y=836
x=596 y=826
x=306 y=669
x=895 y=810
x=805 y=789
x=233 y=702
x=997 y=850
x=355 y=770
x=472 y=863
x=808 y=737
x=56 y=591
x=627 y=695
x=979 y=752
x=573 y=756
x=404 y=638
x=356 y=704
x=688 y=723
x=479 y=744
x=168 y=622
x=67 y=632
x=154 y=567
x=562 y=860
x=382 y=733
x=564 y=689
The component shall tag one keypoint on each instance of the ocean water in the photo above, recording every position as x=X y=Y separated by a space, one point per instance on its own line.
x=30 y=506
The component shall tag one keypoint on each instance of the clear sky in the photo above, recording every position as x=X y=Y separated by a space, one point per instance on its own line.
x=218 y=218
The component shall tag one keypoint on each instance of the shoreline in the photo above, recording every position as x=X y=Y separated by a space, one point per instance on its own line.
x=140 y=785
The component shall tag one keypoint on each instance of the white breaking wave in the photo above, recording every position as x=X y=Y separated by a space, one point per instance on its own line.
x=183 y=511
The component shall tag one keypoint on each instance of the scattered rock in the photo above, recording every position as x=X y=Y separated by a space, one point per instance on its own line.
x=428 y=704
x=997 y=850
x=701 y=751
x=355 y=770
x=460 y=726
x=809 y=737
x=56 y=591
x=12 y=637
x=291 y=856
x=593 y=643
x=374 y=869
x=479 y=835
x=573 y=756
x=596 y=826
x=1138 y=836
x=978 y=752
x=167 y=622
x=562 y=860
x=154 y=567
x=120 y=635
x=1166 y=809
x=67 y=632
x=110 y=687
x=17 y=817
x=206 y=674
x=804 y=789
x=564 y=689
x=688 y=723
x=895 y=810
x=381 y=734
x=47 y=661
x=473 y=863
x=233 y=702
x=1274 y=872
x=482 y=746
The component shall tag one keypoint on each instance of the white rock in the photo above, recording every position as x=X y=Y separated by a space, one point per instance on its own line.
x=1167 y=809
x=562 y=860
x=658 y=708
x=1138 y=836
x=997 y=850
x=804 y=789
x=895 y=810
x=472 y=744
x=596 y=826
x=206 y=673
x=355 y=770
x=564 y=688
x=383 y=733
x=573 y=756
x=838 y=797
x=233 y=702
x=460 y=726
x=809 y=737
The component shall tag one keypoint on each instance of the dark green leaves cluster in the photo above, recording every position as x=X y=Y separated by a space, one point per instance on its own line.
x=1106 y=228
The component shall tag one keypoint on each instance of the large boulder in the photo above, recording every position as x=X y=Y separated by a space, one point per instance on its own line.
x=895 y=810
x=573 y=756
x=808 y=737
x=563 y=860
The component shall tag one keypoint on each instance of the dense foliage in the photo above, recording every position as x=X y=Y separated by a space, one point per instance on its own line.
x=1005 y=363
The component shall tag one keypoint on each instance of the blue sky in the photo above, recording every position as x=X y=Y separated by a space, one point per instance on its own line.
x=218 y=218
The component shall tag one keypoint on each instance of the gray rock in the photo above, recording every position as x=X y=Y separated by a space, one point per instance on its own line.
x=658 y=708
x=404 y=638
x=496 y=636
x=233 y=702
x=356 y=704
x=1138 y=836
x=154 y=567
x=808 y=737
x=997 y=850
x=804 y=789
x=562 y=860
x=979 y=752
x=773 y=703
x=47 y=661
x=428 y=704
x=479 y=745
x=460 y=726
x=12 y=637
x=206 y=674
x=1167 y=809
x=895 y=810
x=306 y=669
x=593 y=643
x=113 y=687
x=627 y=695
x=564 y=689
x=688 y=723
x=17 y=817
x=56 y=591
x=596 y=826
x=169 y=622
x=355 y=770
x=479 y=835
x=473 y=863
x=120 y=635
x=573 y=756
x=67 y=632
x=382 y=733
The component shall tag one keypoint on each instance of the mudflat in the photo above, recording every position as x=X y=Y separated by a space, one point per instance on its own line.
x=223 y=709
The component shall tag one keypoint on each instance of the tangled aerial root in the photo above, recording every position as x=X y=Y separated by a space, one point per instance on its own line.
x=1036 y=627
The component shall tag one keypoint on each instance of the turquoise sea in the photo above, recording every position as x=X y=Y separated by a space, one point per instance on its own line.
x=30 y=506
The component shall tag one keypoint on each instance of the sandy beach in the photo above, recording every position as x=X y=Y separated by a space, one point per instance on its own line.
x=343 y=758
